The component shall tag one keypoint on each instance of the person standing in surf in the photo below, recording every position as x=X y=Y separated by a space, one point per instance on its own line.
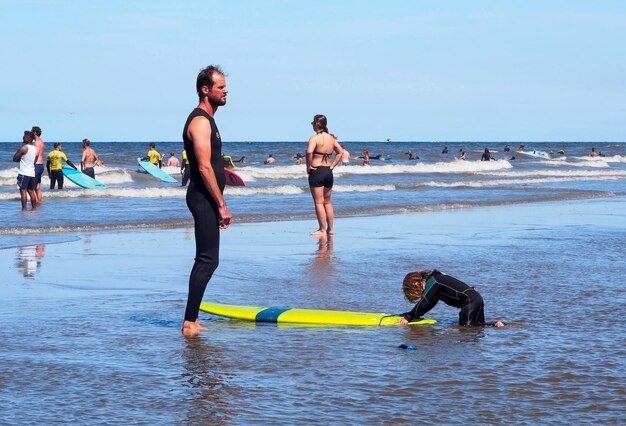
x=41 y=147
x=184 y=168
x=26 y=156
x=153 y=156
x=320 y=171
x=89 y=160
x=205 y=201
x=54 y=166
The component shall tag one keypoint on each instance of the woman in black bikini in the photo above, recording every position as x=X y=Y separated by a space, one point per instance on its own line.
x=320 y=171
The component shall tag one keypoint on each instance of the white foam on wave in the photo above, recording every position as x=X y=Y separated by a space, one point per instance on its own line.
x=113 y=176
x=559 y=173
x=456 y=166
x=592 y=164
x=10 y=173
x=268 y=190
x=363 y=188
x=610 y=159
x=180 y=192
x=509 y=182
x=171 y=170
x=295 y=190
x=252 y=173
x=249 y=173
x=169 y=192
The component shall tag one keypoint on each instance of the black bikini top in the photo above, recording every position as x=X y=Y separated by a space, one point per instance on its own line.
x=325 y=156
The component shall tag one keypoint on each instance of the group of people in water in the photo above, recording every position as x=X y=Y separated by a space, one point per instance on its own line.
x=30 y=157
x=172 y=161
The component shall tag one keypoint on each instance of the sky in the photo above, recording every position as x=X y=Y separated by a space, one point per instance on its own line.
x=530 y=70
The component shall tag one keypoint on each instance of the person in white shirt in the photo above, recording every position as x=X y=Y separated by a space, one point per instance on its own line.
x=26 y=181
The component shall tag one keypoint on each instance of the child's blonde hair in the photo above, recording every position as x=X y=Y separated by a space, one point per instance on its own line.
x=413 y=285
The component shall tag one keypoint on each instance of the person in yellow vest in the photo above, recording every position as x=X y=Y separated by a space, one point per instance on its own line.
x=184 y=168
x=154 y=156
x=54 y=166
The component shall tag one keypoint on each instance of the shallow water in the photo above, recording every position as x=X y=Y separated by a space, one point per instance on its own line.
x=280 y=192
x=90 y=326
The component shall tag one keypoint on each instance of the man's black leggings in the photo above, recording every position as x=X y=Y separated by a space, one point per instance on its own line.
x=186 y=175
x=206 y=221
x=56 y=176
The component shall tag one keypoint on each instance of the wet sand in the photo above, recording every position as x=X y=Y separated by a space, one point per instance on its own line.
x=90 y=322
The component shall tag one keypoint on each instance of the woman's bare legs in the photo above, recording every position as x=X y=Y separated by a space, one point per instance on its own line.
x=323 y=210
x=328 y=209
x=320 y=211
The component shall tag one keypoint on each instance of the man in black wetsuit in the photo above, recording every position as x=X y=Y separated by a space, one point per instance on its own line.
x=427 y=288
x=204 y=195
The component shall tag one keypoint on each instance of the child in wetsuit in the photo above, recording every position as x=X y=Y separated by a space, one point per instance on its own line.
x=428 y=287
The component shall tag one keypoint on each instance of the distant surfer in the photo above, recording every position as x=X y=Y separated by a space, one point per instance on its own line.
x=463 y=155
x=507 y=147
x=486 y=155
x=298 y=158
x=593 y=152
x=269 y=160
x=203 y=145
x=411 y=156
x=184 y=168
x=89 y=160
x=54 y=166
x=153 y=156
x=320 y=170
x=445 y=150
x=26 y=155
x=429 y=287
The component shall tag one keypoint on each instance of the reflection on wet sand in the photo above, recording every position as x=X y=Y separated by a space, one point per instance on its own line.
x=208 y=380
x=322 y=266
x=29 y=259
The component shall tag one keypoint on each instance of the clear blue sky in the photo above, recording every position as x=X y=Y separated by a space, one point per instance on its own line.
x=405 y=70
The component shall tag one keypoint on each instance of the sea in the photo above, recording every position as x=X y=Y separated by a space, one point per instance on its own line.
x=390 y=184
x=94 y=286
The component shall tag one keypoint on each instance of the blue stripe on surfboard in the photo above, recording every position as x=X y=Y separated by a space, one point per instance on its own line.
x=270 y=314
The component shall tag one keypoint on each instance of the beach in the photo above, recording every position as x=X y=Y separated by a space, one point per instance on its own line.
x=91 y=322
x=484 y=139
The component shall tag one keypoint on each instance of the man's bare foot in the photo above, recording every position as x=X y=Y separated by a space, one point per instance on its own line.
x=330 y=232
x=197 y=323
x=318 y=233
x=191 y=328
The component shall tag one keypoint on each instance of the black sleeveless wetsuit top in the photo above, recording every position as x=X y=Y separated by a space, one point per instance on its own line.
x=216 y=154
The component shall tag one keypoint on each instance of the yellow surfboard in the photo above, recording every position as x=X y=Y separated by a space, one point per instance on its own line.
x=305 y=316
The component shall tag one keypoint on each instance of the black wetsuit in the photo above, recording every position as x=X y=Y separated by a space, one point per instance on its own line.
x=205 y=214
x=452 y=292
x=185 y=171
